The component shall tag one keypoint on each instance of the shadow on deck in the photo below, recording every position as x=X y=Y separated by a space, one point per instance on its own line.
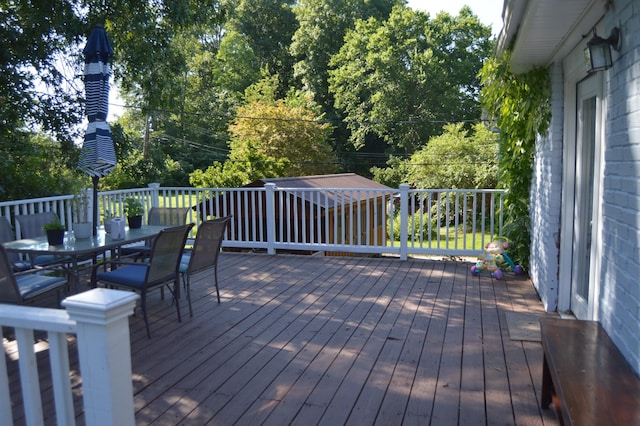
x=335 y=340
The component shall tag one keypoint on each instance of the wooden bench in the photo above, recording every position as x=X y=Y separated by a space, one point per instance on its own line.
x=585 y=375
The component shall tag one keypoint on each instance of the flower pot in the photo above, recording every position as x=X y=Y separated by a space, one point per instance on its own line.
x=55 y=237
x=135 y=222
x=107 y=225
x=83 y=230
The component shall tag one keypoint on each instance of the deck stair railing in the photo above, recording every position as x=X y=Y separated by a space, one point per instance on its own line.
x=97 y=318
x=403 y=221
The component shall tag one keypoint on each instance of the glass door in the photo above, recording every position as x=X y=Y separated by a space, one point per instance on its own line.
x=587 y=124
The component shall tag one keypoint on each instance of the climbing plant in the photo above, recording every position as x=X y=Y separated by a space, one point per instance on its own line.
x=520 y=106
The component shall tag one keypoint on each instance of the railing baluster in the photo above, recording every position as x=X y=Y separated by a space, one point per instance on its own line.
x=6 y=415
x=59 y=358
x=32 y=402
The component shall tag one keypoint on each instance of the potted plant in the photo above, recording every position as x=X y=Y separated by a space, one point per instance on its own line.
x=106 y=220
x=134 y=210
x=55 y=232
x=82 y=225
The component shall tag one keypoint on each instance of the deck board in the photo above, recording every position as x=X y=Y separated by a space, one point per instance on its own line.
x=335 y=340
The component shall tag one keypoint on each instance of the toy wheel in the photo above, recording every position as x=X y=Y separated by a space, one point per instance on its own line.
x=497 y=274
x=474 y=270
x=518 y=270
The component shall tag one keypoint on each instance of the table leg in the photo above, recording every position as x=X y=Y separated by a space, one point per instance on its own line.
x=75 y=274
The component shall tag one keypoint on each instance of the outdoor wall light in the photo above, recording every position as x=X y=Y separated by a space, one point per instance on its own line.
x=598 y=50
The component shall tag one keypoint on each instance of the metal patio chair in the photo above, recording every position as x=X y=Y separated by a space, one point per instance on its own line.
x=31 y=227
x=204 y=254
x=161 y=269
x=25 y=287
x=159 y=216
x=6 y=235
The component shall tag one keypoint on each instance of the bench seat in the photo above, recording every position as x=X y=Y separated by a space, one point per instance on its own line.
x=585 y=375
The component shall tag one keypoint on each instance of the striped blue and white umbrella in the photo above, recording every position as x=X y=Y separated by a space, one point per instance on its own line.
x=97 y=157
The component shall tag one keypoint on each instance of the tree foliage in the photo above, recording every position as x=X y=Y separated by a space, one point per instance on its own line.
x=520 y=105
x=402 y=78
x=323 y=26
x=268 y=27
x=242 y=167
x=456 y=159
x=188 y=69
x=283 y=131
x=34 y=93
x=33 y=166
x=134 y=169
x=272 y=138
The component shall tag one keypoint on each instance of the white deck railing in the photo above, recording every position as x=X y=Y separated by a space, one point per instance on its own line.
x=403 y=221
x=97 y=317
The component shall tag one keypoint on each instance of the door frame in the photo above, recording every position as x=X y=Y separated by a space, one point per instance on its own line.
x=574 y=73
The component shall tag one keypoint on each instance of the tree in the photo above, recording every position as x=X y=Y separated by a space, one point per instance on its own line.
x=394 y=174
x=39 y=36
x=41 y=87
x=34 y=166
x=153 y=42
x=267 y=26
x=272 y=138
x=323 y=25
x=402 y=78
x=455 y=159
x=236 y=66
x=290 y=129
x=241 y=168
x=34 y=93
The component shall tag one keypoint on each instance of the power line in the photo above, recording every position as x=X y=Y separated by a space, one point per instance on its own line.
x=318 y=121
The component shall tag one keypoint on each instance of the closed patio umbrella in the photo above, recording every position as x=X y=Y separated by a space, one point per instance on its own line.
x=98 y=157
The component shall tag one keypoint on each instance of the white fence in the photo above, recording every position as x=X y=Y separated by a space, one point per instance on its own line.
x=96 y=317
x=336 y=220
x=344 y=221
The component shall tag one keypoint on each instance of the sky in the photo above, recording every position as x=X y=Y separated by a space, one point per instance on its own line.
x=488 y=11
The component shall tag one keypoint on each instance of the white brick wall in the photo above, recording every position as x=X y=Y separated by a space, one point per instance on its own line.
x=546 y=200
x=619 y=256
x=619 y=308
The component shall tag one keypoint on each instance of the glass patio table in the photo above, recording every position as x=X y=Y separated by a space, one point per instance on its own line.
x=81 y=248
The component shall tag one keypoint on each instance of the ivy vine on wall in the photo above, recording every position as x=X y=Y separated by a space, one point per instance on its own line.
x=521 y=108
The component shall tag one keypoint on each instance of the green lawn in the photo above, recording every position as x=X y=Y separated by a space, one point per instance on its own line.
x=464 y=241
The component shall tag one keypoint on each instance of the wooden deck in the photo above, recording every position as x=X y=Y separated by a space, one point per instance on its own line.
x=311 y=340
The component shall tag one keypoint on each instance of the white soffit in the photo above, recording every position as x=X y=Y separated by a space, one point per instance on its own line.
x=543 y=29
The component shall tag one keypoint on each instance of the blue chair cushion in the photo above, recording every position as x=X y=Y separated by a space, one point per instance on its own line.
x=129 y=276
x=49 y=258
x=22 y=265
x=184 y=262
x=33 y=285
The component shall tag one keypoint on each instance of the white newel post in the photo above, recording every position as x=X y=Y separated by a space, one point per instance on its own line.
x=404 y=220
x=270 y=189
x=104 y=351
x=155 y=194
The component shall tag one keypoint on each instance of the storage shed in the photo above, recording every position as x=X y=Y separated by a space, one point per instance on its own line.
x=343 y=208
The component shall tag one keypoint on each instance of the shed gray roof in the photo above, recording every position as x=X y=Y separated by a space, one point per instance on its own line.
x=336 y=181
x=331 y=184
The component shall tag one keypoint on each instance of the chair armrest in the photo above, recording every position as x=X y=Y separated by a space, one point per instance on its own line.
x=116 y=263
x=40 y=269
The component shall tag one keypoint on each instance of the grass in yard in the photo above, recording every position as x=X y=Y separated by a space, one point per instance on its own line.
x=455 y=239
